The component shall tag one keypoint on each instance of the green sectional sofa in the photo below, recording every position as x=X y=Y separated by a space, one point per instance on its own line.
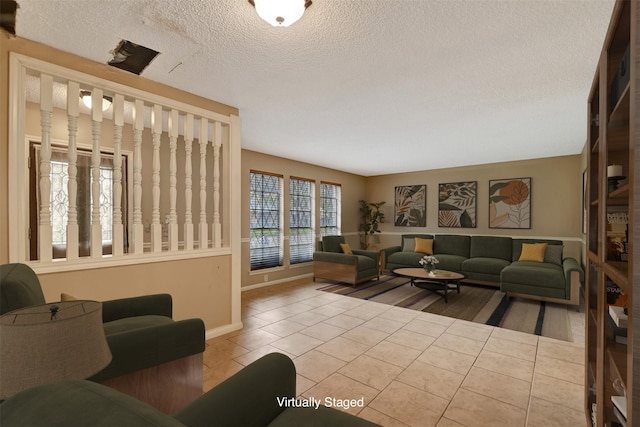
x=331 y=262
x=495 y=260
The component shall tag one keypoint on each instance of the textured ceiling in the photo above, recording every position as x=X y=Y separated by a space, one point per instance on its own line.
x=366 y=86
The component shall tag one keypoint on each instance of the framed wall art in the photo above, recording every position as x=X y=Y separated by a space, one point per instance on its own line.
x=410 y=208
x=510 y=203
x=457 y=204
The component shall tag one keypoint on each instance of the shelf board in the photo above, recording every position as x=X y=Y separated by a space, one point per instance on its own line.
x=618 y=126
x=618 y=357
x=618 y=271
x=620 y=112
x=619 y=196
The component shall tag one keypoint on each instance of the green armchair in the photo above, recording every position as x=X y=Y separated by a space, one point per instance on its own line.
x=154 y=358
x=330 y=262
x=251 y=398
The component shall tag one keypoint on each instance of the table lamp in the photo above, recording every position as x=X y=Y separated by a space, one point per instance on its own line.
x=52 y=342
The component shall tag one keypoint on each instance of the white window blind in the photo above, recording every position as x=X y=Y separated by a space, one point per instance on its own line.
x=266 y=221
x=330 y=209
x=301 y=235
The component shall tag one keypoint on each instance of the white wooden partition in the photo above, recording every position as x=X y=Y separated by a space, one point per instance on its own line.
x=156 y=218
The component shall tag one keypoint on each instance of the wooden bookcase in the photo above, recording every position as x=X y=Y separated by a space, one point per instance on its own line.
x=612 y=365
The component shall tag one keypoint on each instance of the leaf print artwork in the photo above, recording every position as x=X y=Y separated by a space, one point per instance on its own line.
x=510 y=203
x=410 y=206
x=457 y=204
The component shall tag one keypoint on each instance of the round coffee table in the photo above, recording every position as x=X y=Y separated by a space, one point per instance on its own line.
x=438 y=280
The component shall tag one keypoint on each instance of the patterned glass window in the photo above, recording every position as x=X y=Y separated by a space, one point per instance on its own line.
x=301 y=236
x=265 y=214
x=59 y=198
x=330 y=209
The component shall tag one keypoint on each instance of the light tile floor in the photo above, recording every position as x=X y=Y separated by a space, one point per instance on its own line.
x=411 y=368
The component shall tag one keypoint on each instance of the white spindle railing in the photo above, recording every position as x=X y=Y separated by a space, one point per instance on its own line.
x=188 y=182
x=156 y=226
x=73 y=100
x=217 y=227
x=173 y=180
x=203 y=230
x=138 y=227
x=117 y=234
x=131 y=111
x=46 y=111
x=96 y=127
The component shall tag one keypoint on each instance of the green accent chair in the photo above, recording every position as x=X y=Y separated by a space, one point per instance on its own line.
x=249 y=398
x=331 y=263
x=146 y=344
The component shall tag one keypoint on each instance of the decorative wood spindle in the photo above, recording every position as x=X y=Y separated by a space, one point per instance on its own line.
x=138 y=227
x=217 y=227
x=188 y=182
x=203 y=229
x=156 y=225
x=117 y=229
x=73 y=102
x=173 y=126
x=45 y=231
x=96 y=128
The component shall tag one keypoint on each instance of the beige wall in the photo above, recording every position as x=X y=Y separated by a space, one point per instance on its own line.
x=556 y=197
x=200 y=287
x=353 y=189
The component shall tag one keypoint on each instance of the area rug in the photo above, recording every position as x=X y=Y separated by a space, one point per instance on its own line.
x=481 y=304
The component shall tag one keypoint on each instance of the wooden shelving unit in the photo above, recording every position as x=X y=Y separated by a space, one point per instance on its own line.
x=612 y=365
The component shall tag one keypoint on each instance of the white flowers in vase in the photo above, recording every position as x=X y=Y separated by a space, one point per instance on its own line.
x=429 y=263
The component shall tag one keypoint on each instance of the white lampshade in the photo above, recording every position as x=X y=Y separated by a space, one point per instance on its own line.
x=47 y=343
x=85 y=95
x=280 y=13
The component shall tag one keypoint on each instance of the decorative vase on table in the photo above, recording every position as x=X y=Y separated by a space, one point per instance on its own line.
x=429 y=262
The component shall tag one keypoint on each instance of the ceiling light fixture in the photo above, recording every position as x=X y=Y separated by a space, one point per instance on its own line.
x=280 y=13
x=85 y=95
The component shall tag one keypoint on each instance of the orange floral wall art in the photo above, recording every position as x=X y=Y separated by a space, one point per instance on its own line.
x=510 y=203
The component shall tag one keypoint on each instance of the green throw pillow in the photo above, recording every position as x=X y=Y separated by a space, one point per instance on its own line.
x=553 y=254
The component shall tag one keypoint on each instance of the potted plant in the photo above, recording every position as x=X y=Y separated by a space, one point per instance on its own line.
x=370 y=218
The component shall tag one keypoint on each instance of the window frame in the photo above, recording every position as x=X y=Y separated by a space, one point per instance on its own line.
x=335 y=228
x=259 y=262
x=33 y=207
x=299 y=256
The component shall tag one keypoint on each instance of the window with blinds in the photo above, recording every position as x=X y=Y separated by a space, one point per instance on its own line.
x=301 y=236
x=330 y=205
x=265 y=220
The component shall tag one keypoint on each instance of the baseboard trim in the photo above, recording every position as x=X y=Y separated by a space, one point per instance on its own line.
x=276 y=282
x=221 y=330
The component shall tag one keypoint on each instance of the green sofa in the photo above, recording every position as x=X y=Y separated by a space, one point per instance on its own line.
x=494 y=260
x=147 y=345
x=330 y=262
x=249 y=398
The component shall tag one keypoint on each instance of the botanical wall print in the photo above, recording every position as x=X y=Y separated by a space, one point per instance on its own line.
x=411 y=206
x=510 y=203
x=457 y=204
